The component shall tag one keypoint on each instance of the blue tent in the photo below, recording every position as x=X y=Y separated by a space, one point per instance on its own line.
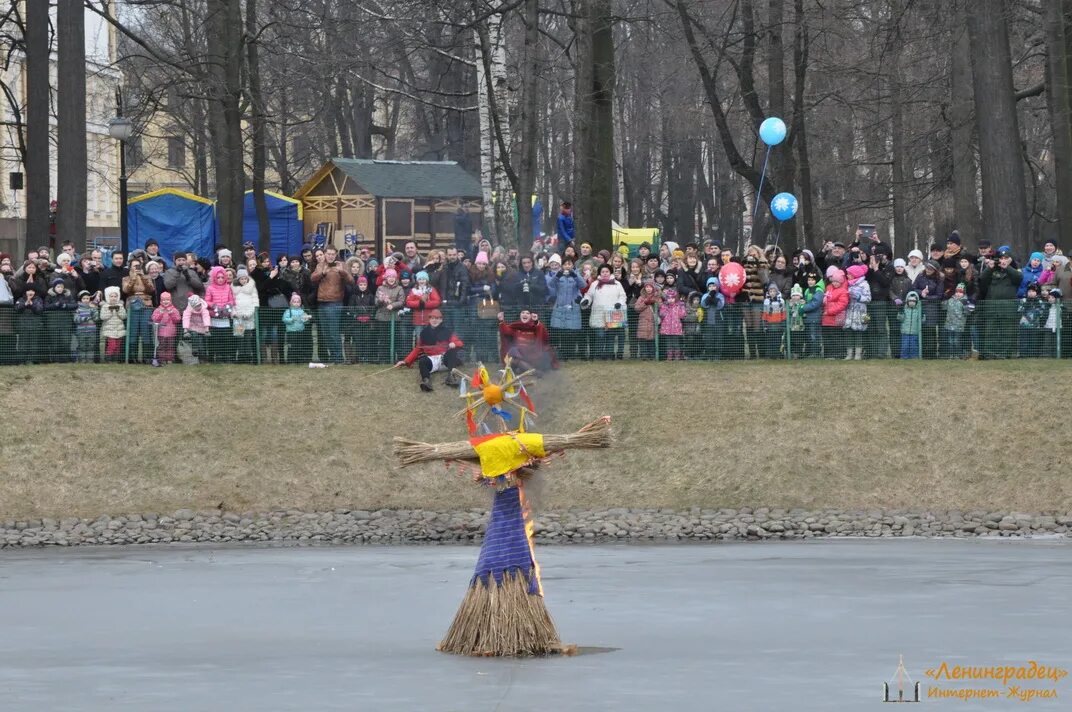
x=284 y=223
x=177 y=220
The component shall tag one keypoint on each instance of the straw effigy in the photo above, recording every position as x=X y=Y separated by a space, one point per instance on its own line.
x=503 y=612
x=592 y=436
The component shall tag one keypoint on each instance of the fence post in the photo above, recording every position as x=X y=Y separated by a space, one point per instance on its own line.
x=391 y=338
x=257 y=334
x=655 y=321
x=126 y=339
x=1060 y=308
x=788 y=336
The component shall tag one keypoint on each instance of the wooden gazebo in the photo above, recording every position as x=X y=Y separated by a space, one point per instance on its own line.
x=388 y=201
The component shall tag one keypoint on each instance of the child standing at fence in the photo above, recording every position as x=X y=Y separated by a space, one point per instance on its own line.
x=911 y=319
x=692 y=325
x=835 y=304
x=1031 y=320
x=85 y=328
x=299 y=337
x=773 y=318
x=671 y=312
x=113 y=325
x=219 y=299
x=167 y=319
x=195 y=325
x=957 y=309
x=59 y=306
x=29 y=323
x=360 y=308
x=796 y=321
x=713 y=302
x=646 y=306
x=244 y=324
x=1053 y=319
x=813 y=314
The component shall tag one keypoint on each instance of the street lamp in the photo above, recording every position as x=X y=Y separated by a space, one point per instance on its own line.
x=121 y=129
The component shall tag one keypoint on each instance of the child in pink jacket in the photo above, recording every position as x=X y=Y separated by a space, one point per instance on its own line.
x=195 y=323
x=167 y=318
x=671 y=312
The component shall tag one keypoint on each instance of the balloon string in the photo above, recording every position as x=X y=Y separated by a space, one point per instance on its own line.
x=759 y=191
x=777 y=234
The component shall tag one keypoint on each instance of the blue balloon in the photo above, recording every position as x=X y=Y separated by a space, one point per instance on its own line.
x=784 y=206
x=772 y=131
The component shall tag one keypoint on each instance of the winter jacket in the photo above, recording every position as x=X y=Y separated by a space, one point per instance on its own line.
x=169 y=319
x=999 y=283
x=932 y=300
x=956 y=314
x=452 y=281
x=911 y=318
x=670 y=316
x=1031 y=313
x=604 y=299
x=421 y=302
x=564 y=289
x=783 y=279
x=218 y=296
x=433 y=341
x=113 y=321
x=394 y=296
x=138 y=287
x=294 y=319
x=713 y=303
x=331 y=282
x=900 y=286
x=181 y=283
x=196 y=319
x=756 y=276
x=60 y=302
x=813 y=303
x=774 y=312
x=85 y=318
x=856 y=317
x=525 y=289
x=72 y=279
x=245 y=308
x=835 y=304
x=1030 y=274
x=881 y=281
x=645 y=307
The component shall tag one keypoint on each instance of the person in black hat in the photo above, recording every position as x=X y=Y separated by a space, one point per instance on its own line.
x=152 y=251
x=249 y=252
x=644 y=251
x=998 y=283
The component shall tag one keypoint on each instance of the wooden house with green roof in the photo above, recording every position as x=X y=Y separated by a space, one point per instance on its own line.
x=389 y=202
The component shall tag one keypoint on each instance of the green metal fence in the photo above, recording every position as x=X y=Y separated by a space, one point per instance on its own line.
x=342 y=334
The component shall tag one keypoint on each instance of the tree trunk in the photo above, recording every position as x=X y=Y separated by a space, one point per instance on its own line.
x=37 y=121
x=529 y=109
x=898 y=156
x=71 y=120
x=224 y=54
x=962 y=129
x=595 y=147
x=1059 y=99
x=487 y=152
x=805 y=193
x=1002 y=162
x=258 y=123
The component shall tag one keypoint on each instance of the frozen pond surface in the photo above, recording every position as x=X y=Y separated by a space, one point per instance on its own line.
x=814 y=625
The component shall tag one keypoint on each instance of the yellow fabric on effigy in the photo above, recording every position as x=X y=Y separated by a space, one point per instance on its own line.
x=502 y=453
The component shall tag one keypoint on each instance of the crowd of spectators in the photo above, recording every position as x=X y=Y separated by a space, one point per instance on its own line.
x=846 y=301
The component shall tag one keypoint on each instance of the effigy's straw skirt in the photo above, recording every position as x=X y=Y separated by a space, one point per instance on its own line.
x=503 y=612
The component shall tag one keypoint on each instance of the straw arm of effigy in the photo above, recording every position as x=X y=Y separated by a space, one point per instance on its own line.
x=594 y=435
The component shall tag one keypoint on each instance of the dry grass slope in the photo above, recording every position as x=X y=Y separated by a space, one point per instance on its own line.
x=110 y=440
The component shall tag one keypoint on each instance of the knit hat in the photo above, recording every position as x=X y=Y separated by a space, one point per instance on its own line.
x=587 y=244
x=422 y=275
x=555 y=259
x=83 y=293
x=811 y=256
x=1004 y=251
x=678 y=254
x=954 y=237
x=390 y=273
x=834 y=274
x=64 y=258
x=481 y=258
x=109 y=291
x=935 y=247
x=857 y=271
x=165 y=294
x=899 y=263
x=1055 y=292
x=241 y=272
x=933 y=265
x=151 y=241
x=224 y=253
x=915 y=253
x=435 y=314
x=961 y=287
x=404 y=275
x=248 y=245
x=712 y=280
x=194 y=300
x=55 y=281
x=796 y=291
x=605 y=254
x=178 y=255
x=362 y=278
x=1037 y=256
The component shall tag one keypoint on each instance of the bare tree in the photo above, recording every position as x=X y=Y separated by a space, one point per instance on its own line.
x=71 y=121
x=37 y=121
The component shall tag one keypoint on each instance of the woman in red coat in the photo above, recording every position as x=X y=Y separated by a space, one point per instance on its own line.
x=835 y=304
x=527 y=342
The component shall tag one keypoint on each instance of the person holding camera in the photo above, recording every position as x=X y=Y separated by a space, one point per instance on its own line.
x=607 y=299
x=331 y=280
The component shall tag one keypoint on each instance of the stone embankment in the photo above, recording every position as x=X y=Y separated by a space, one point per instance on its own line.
x=566 y=527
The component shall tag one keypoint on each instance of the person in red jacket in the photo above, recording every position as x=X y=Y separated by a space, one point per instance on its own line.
x=835 y=304
x=421 y=300
x=437 y=348
x=527 y=342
